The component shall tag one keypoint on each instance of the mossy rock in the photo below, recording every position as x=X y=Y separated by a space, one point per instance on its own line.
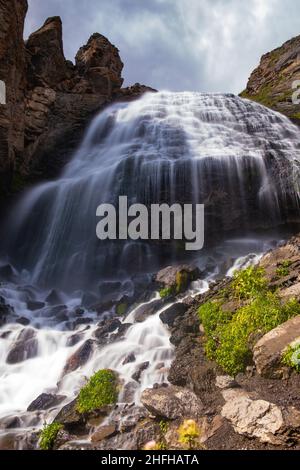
x=101 y=390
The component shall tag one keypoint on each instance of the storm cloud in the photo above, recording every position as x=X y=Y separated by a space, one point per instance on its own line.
x=199 y=45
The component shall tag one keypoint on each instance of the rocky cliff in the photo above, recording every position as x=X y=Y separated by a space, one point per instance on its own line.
x=50 y=100
x=271 y=82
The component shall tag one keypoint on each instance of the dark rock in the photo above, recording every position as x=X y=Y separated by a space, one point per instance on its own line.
x=53 y=298
x=147 y=431
x=140 y=369
x=74 y=339
x=129 y=358
x=69 y=417
x=5 y=311
x=169 y=315
x=80 y=357
x=144 y=311
x=26 y=347
x=23 y=321
x=45 y=401
x=177 y=278
x=88 y=299
x=107 y=326
x=13 y=422
x=82 y=321
x=35 y=305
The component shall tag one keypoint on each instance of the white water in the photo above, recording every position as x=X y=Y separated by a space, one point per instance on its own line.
x=180 y=145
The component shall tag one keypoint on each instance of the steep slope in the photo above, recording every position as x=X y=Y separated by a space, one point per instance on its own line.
x=271 y=83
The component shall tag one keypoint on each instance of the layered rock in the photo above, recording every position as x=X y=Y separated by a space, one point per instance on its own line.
x=271 y=83
x=50 y=100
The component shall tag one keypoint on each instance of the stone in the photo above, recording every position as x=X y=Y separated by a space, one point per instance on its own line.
x=172 y=402
x=73 y=340
x=128 y=359
x=45 y=401
x=147 y=431
x=53 y=298
x=225 y=381
x=69 y=417
x=103 y=432
x=262 y=420
x=80 y=357
x=177 y=278
x=169 y=315
x=25 y=347
x=23 y=321
x=148 y=309
x=106 y=327
x=267 y=352
x=35 y=305
x=140 y=369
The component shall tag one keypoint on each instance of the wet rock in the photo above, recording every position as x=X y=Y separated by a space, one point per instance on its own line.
x=62 y=438
x=106 y=327
x=25 y=347
x=53 y=298
x=23 y=321
x=137 y=375
x=49 y=312
x=120 y=332
x=69 y=417
x=5 y=311
x=177 y=278
x=35 y=305
x=88 y=299
x=172 y=402
x=12 y=422
x=131 y=416
x=45 y=401
x=74 y=339
x=103 y=432
x=128 y=392
x=144 y=311
x=268 y=350
x=147 y=431
x=80 y=357
x=169 y=315
x=82 y=321
x=128 y=359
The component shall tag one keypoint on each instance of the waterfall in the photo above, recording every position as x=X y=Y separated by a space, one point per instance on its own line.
x=238 y=158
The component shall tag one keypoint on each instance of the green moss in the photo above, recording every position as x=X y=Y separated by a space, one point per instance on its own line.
x=121 y=309
x=291 y=357
x=99 y=391
x=230 y=335
x=48 y=435
x=248 y=283
x=182 y=279
x=296 y=116
x=167 y=292
x=284 y=268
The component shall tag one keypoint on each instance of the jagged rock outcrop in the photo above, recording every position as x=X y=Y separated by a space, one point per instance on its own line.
x=271 y=82
x=50 y=100
x=12 y=73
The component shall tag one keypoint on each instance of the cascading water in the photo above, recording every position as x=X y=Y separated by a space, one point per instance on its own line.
x=238 y=158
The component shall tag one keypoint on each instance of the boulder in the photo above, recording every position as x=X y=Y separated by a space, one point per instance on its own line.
x=169 y=315
x=25 y=347
x=177 y=278
x=80 y=357
x=140 y=369
x=103 y=432
x=106 y=327
x=172 y=402
x=129 y=358
x=261 y=419
x=225 y=381
x=45 y=401
x=268 y=350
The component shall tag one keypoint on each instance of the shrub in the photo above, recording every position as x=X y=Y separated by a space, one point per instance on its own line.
x=248 y=283
x=291 y=357
x=228 y=335
x=166 y=292
x=101 y=390
x=189 y=433
x=283 y=270
x=48 y=435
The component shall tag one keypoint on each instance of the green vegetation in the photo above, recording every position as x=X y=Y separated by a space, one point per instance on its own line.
x=230 y=335
x=164 y=426
x=189 y=434
x=182 y=279
x=167 y=292
x=102 y=389
x=291 y=357
x=283 y=270
x=121 y=309
x=48 y=435
x=296 y=116
x=248 y=283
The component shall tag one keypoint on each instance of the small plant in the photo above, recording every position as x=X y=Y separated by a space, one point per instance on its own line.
x=249 y=282
x=189 y=434
x=166 y=292
x=283 y=270
x=182 y=279
x=164 y=426
x=121 y=309
x=101 y=390
x=291 y=357
x=48 y=435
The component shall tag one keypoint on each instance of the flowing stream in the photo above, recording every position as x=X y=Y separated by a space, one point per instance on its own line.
x=238 y=158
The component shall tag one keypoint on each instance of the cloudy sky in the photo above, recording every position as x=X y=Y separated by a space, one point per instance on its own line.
x=199 y=45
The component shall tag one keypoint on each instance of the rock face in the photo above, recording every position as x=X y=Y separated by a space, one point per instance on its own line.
x=50 y=100
x=271 y=82
x=12 y=72
x=268 y=350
